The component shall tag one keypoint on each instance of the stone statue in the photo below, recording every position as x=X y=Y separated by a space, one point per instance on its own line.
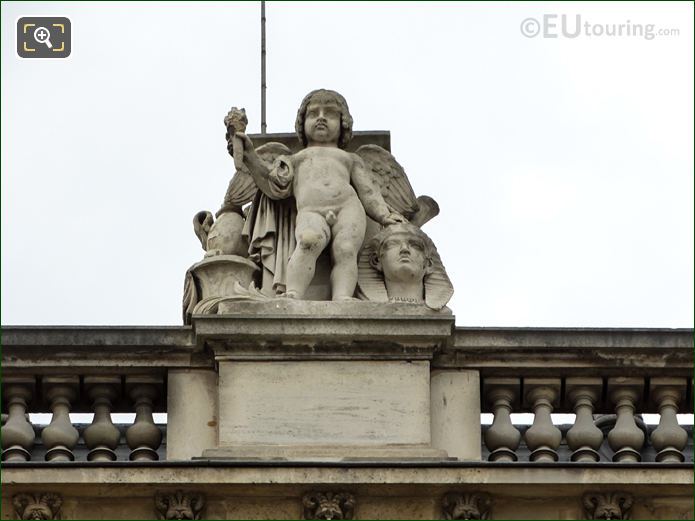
x=401 y=264
x=319 y=198
x=332 y=190
x=226 y=246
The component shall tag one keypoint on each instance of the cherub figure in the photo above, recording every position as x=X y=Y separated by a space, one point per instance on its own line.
x=333 y=189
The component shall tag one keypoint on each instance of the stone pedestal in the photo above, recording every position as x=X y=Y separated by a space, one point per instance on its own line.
x=192 y=412
x=455 y=413
x=324 y=381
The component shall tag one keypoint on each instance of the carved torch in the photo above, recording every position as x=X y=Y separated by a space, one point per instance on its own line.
x=236 y=121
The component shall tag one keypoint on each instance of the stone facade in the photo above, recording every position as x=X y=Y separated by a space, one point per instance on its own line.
x=425 y=456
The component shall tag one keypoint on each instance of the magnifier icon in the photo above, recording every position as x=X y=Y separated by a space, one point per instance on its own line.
x=43 y=35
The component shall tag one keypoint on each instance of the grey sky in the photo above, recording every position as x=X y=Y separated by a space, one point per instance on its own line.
x=563 y=166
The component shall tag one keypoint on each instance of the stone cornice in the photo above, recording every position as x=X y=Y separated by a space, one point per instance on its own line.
x=324 y=331
x=579 y=351
x=390 y=473
x=99 y=348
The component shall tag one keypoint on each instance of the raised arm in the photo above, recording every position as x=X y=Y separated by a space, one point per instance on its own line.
x=370 y=195
x=270 y=181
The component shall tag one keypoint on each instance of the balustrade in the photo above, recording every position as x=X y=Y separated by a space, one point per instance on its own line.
x=60 y=396
x=606 y=399
x=17 y=433
x=628 y=439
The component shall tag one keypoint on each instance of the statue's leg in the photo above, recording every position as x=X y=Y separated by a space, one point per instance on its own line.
x=312 y=234
x=348 y=234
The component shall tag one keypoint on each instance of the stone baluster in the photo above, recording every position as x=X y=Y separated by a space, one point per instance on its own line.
x=626 y=438
x=60 y=437
x=143 y=437
x=102 y=436
x=669 y=438
x=542 y=438
x=17 y=433
x=584 y=438
x=502 y=438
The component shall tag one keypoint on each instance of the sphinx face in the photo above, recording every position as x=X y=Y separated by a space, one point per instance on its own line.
x=403 y=258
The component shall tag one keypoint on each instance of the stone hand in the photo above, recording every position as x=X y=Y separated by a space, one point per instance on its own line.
x=246 y=142
x=394 y=218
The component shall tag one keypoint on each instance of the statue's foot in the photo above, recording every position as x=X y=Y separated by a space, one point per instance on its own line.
x=290 y=294
x=344 y=299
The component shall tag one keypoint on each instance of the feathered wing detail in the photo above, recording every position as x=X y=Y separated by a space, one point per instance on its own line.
x=428 y=210
x=391 y=178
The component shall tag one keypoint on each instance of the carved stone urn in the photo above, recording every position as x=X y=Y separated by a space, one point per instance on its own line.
x=218 y=277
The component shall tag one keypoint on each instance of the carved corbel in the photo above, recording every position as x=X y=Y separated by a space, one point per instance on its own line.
x=611 y=505
x=457 y=505
x=179 y=505
x=328 y=505
x=37 y=506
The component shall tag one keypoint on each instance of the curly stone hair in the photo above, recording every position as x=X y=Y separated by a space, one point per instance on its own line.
x=328 y=96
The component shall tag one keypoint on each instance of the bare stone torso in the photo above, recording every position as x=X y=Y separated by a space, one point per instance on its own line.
x=322 y=179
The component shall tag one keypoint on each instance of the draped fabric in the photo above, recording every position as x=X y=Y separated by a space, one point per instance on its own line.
x=269 y=229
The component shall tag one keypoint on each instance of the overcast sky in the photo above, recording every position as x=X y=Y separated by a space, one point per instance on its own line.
x=563 y=166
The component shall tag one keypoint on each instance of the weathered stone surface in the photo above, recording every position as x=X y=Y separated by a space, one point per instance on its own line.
x=99 y=349
x=179 y=505
x=309 y=405
x=328 y=505
x=37 y=506
x=608 y=505
x=192 y=412
x=455 y=413
x=579 y=351
x=459 y=505
x=284 y=328
x=275 y=493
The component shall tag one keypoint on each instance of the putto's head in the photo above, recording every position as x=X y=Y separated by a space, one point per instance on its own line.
x=312 y=111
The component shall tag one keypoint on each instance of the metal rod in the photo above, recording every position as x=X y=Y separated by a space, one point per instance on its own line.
x=263 y=86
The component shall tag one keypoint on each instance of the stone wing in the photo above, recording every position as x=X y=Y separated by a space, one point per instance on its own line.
x=391 y=178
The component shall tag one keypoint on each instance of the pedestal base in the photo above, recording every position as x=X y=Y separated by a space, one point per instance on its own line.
x=319 y=453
